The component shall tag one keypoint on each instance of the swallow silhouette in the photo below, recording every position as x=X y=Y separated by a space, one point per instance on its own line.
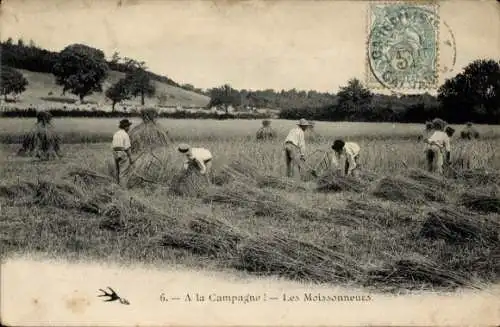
x=113 y=296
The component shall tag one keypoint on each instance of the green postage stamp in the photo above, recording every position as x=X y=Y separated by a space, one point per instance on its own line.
x=402 y=47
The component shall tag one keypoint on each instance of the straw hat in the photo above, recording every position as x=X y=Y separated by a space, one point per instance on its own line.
x=303 y=122
x=183 y=147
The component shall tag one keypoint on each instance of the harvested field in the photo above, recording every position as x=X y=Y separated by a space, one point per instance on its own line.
x=335 y=229
x=479 y=200
x=459 y=226
x=399 y=188
x=334 y=181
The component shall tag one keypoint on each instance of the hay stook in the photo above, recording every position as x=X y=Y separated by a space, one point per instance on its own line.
x=42 y=141
x=266 y=132
x=149 y=134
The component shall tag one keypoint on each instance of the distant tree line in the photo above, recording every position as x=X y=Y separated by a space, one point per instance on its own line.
x=472 y=95
x=32 y=113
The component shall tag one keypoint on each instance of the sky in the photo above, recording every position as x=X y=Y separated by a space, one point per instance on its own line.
x=307 y=45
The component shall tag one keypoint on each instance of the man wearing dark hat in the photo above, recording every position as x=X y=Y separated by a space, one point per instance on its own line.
x=121 y=146
x=351 y=152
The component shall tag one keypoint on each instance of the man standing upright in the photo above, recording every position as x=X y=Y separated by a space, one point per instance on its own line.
x=121 y=146
x=438 y=148
x=295 y=147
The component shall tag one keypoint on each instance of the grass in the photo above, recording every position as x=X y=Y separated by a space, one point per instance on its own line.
x=41 y=84
x=360 y=239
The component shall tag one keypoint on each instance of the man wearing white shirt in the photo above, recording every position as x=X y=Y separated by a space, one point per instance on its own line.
x=295 y=147
x=201 y=158
x=351 y=152
x=121 y=146
x=438 y=147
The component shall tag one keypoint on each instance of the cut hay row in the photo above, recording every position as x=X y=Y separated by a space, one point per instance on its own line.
x=367 y=176
x=89 y=178
x=215 y=226
x=406 y=273
x=284 y=255
x=428 y=179
x=402 y=189
x=199 y=244
x=282 y=183
x=119 y=210
x=207 y=236
x=149 y=134
x=481 y=201
x=349 y=218
x=263 y=203
x=478 y=177
x=62 y=194
x=384 y=215
x=460 y=226
x=335 y=181
x=242 y=170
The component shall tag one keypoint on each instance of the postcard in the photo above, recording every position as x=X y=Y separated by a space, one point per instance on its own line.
x=249 y=163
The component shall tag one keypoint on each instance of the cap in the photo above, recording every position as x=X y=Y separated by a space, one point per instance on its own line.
x=183 y=147
x=338 y=145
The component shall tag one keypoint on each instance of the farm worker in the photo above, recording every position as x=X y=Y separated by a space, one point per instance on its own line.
x=450 y=131
x=121 y=146
x=469 y=132
x=427 y=131
x=438 y=147
x=350 y=150
x=295 y=147
x=201 y=158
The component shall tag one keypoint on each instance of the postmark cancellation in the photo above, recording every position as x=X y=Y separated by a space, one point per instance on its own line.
x=402 y=46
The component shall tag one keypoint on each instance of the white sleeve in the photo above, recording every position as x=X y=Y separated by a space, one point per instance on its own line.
x=335 y=160
x=203 y=168
x=302 y=143
x=350 y=158
x=126 y=141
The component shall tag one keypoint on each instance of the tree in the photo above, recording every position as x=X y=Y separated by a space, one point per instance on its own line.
x=188 y=87
x=224 y=95
x=12 y=81
x=473 y=94
x=118 y=92
x=138 y=80
x=115 y=58
x=81 y=70
x=354 y=99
